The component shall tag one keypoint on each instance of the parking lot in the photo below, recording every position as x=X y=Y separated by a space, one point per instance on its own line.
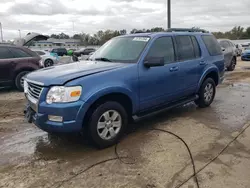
x=146 y=158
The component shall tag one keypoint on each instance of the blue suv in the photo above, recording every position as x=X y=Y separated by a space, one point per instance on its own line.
x=129 y=77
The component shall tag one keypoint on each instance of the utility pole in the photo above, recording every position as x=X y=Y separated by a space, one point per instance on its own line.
x=1 y=30
x=169 y=14
x=19 y=33
x=73 y=27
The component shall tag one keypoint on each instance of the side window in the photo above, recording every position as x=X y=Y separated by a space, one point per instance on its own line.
x=163 y=47
x=231 y=44
x=185 y=48
x=19 y=53
x=5 y=53
x=197 y=50
x=212 y=45
x=224 y=44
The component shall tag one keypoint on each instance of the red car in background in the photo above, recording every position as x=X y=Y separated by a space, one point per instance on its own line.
x=15 y=63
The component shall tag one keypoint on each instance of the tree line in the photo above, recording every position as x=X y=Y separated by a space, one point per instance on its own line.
x=101 y=37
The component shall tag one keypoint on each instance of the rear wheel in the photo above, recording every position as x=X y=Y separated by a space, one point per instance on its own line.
x=19 y=80
x=206 y=93
x=107 y=124
x=48 y=63
x=232 y=65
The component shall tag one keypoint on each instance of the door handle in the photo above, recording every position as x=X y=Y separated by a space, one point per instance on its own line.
x=172 y=69
x=203 y=63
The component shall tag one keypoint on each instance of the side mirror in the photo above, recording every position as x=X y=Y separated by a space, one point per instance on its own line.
x=154 y=61
x=223 y=49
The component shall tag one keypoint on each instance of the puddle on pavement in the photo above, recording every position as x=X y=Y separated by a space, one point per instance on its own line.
x=228 y=113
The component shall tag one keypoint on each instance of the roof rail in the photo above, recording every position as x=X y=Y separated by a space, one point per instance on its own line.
x=6 y=44
x=186 y=30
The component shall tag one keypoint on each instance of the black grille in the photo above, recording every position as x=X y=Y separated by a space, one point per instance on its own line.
x=34 y=90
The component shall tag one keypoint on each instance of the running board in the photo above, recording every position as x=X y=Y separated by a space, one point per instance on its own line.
x=143 y=115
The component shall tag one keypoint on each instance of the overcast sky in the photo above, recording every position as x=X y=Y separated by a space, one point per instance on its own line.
x=56 y=16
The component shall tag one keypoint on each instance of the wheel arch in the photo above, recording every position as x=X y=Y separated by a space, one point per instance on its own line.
x=213 y=73
x=122 y=98
x=22 y=70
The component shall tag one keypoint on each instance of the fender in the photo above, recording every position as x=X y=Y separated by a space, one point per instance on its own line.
x=208 y=70
x=110 y=90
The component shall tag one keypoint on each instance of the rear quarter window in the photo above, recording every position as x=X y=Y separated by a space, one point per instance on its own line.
x=212 y=45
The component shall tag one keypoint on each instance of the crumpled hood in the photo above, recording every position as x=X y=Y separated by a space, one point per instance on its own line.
x=58 y=75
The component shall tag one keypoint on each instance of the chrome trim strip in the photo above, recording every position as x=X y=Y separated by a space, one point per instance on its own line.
x=34 y=82
x=32 y=99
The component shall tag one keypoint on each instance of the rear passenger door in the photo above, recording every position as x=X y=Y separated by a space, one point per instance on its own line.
x=190 y=61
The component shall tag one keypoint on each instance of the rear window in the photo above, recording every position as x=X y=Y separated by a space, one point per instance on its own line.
x=224 y=44
x=212 y=45
x=62 y=49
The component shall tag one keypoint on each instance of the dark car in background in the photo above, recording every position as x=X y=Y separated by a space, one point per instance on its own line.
x=60 y=51
x=15 y=63
x=230 y=54
x=84 y=51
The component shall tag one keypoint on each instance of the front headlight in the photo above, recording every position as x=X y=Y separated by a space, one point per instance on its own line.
x=62 y=94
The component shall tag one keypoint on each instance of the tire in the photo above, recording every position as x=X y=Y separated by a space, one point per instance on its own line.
x=48 y=63
x=109 y=130
x=232 y=65
x=206 y=96
x=19 y=80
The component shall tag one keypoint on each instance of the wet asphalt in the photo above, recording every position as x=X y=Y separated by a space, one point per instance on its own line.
x=30 y=157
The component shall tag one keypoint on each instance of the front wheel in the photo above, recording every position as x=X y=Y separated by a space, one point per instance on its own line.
x=107 y=124
x=19 y=80
x=232 y=65
x=206 y=93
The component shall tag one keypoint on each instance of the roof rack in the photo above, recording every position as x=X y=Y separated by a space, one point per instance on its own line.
x=186 y=30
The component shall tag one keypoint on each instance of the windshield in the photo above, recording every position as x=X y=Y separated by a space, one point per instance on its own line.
x=122 y=49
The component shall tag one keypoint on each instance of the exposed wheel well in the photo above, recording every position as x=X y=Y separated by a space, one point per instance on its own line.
x=214 y=76
x=121 y=98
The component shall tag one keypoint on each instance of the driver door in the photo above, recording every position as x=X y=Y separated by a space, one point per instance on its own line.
x=159 y=85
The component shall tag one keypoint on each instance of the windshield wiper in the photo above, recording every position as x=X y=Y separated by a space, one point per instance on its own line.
x=103 y=59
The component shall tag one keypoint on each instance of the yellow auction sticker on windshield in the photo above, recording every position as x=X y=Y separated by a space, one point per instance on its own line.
x=142 y=39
